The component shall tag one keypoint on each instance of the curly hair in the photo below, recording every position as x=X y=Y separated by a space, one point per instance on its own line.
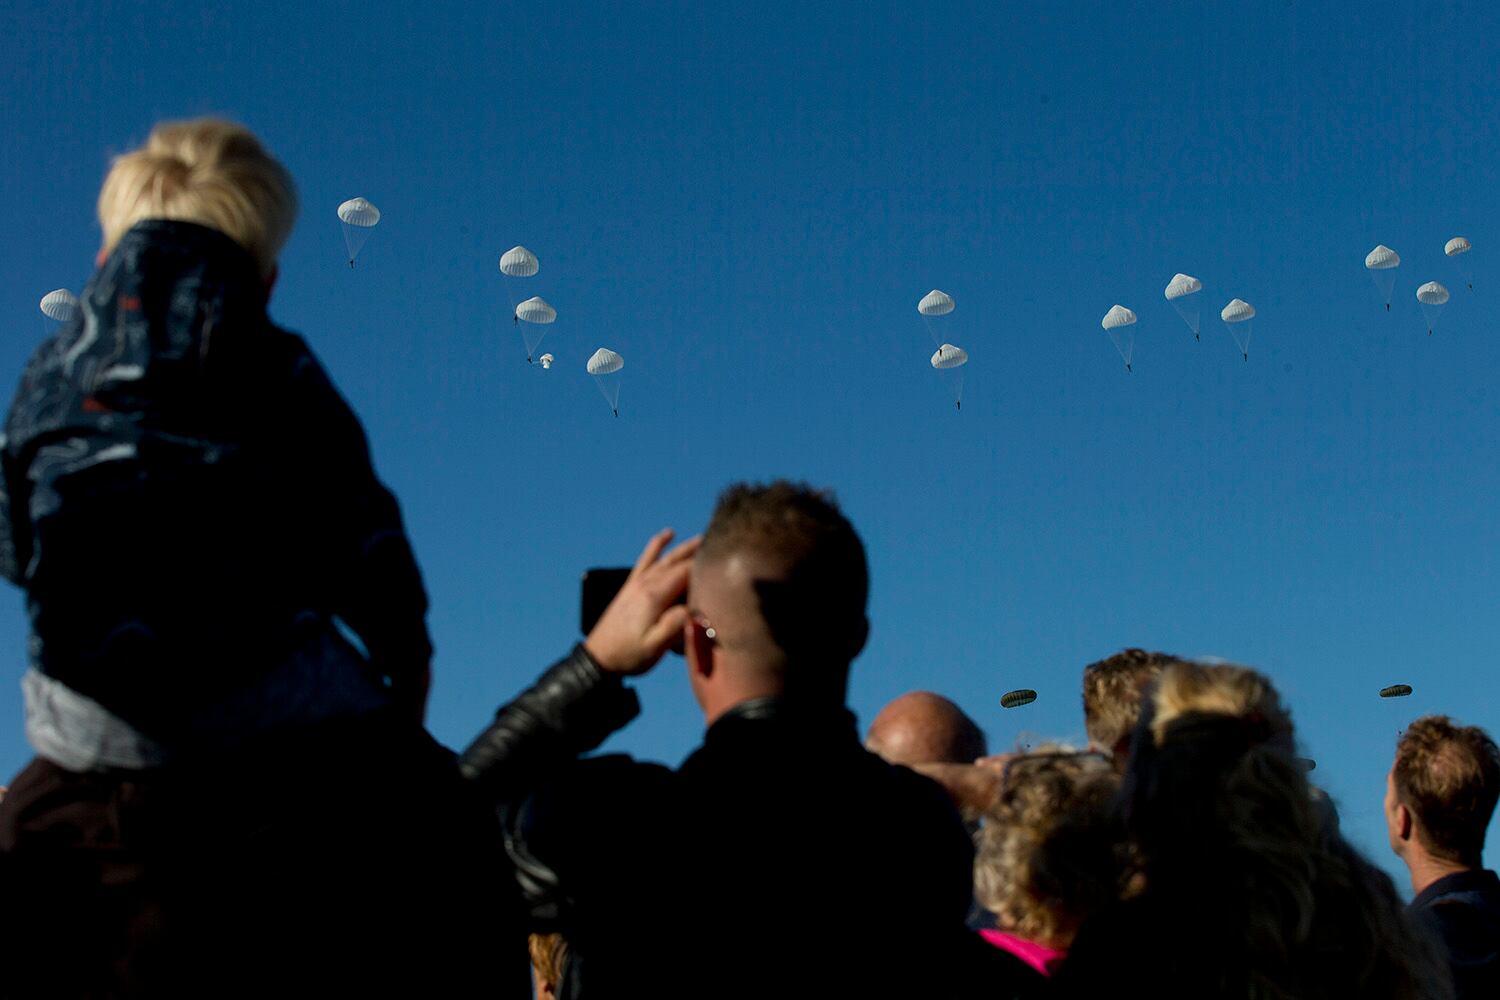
x=1112 y=691
x=1047 y=855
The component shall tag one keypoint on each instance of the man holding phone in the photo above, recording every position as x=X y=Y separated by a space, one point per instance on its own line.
x=781 y=858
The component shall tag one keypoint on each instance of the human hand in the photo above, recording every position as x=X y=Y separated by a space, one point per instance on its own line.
x=644 y=619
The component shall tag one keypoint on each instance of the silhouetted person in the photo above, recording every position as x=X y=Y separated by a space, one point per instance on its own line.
x=228 y=796
x=1440 y=795
x=781 y=858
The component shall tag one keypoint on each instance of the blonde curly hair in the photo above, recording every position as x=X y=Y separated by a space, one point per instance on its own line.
x=1048 y=850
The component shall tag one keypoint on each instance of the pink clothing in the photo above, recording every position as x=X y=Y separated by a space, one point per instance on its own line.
x=1039 y=957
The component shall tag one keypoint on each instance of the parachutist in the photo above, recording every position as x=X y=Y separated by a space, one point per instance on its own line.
x=959 y=405
x=1129 y=369
x=615 y=412
x=1387 y=307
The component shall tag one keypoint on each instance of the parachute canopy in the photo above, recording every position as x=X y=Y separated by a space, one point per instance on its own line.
x=1432 y=294
x=536 y=310
x=605 y=362
x=1456 y=246
x=949 y=356
x=1017 y=698
x=518 y=262
x=1382 y=258
x=1395 y=691
x=59 y=304
x=1238 y=311
x=359 y=212
x=546 y=360
x=935 y=303
x=1182 y=284
x=1117 y=316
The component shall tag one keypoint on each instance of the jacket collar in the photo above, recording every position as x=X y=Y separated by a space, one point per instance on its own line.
x=782 y=711
x=164 y=253
x=1473 y=880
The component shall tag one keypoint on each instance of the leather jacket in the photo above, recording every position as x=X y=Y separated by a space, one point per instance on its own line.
x=780 y=858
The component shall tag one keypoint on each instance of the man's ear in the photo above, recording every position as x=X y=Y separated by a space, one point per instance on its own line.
x=1404 y=825
x=699 y=649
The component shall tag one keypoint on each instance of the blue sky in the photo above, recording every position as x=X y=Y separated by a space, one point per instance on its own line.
x=747 y=206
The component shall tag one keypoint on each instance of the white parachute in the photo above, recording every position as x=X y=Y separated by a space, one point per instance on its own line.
x=950 y=361
x=518 y=262
x=537 y=315
x=1433 y=297
x=59 y=304
x=605 y=366
x=1457 y=250
x=359 y=216
x=1237 y=317
x=1117 y=323
x=546 y=360
x=1180 y=291
x=949 y=356
x=935 y=303
x=1382 y=263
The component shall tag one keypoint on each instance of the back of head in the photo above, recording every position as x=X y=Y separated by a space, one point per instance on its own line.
x=208 y=171
x=921 y=727
x=1233 y=845
x=1113 y=689
x=1048 y=854
x=806 y=582
x=1449 y=777
x=1214 y=747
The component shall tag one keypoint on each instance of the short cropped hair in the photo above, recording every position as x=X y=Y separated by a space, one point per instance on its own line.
x=1112 y=692
x=1449 y=777
x=209 y=171
x=1048 y=853
x=826 y=581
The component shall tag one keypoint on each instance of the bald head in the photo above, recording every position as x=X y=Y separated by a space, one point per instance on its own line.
x=925 y=728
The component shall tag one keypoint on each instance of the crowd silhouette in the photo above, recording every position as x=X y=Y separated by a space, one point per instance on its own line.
x=232 y=798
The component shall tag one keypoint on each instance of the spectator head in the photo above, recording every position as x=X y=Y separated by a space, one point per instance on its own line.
x=778 y=595
x=208 y=171
x=1441 y=791
x=1213 y=767
x=1234 y=850
x=925 y=728
x=1113 y=689
x=1048 y=853
x=549 y=953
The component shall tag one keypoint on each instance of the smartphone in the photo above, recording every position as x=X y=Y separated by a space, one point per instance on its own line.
x=600 y=585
